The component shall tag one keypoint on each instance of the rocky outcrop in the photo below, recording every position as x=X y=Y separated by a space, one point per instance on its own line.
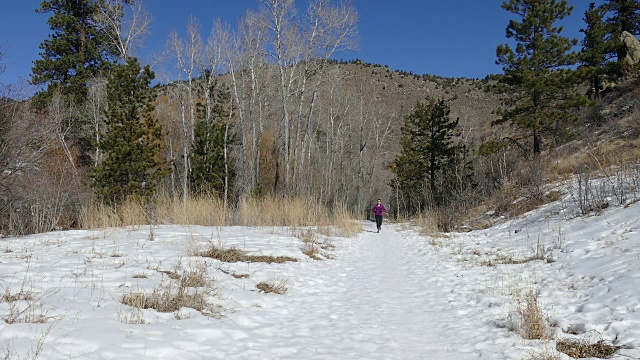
x=632 y=47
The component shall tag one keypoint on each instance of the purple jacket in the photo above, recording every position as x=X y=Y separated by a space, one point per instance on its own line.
x=379 y=210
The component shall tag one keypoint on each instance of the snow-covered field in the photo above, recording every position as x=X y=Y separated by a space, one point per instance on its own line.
x=393 y=295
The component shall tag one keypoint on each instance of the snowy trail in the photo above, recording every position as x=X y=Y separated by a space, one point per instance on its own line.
x=393 y=295
x=379 y=300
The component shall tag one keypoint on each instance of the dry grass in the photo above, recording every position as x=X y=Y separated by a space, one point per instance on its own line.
x=343 y=220
x=279 y=211
x=528 y=319
x=545 y=354
x=583 y=349
x=312 y=251
x=276 y=288
x=525 y=204
x=508 y=260
x=233 y=255
x=205 y=210
x=170 y=273
x=170 y=297
x=593 y=159
x=235 y=275
x=195 y=277
x=209 y=211
x=308 y=235
x=24 y=306
x=30 y=311
x=133 y=212
x=166 y=299
x=312 y=244
x=230 y=255
x=428 y=223
x=99 y=216
x=189 y=290
x=8 y=297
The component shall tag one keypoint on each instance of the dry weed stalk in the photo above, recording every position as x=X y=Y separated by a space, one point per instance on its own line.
x=528 y=319
x=312 y=251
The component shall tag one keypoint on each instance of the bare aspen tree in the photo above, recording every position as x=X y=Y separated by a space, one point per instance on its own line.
x=337 y=108
x=300 y=51
x=126 y=23
x=167 y=111
x=95 y=105
x=331 y=28
x=60 y=111
x=212 y=67
x=249 y=83
x=285 y=43
x=382 y=130
x=233 y=59
x=187 y=54
x=212 y=63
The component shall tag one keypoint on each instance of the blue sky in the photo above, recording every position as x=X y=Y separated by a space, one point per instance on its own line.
x=452 y=38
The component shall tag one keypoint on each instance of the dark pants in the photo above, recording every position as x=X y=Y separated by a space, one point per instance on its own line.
x=378 y=221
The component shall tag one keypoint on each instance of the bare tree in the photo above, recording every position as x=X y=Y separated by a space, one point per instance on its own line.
x=95 y=105
x=301 y=50
x=188 y=54
x=40 y=185
x=126 y=23
x=246 y=65
x=211 y=68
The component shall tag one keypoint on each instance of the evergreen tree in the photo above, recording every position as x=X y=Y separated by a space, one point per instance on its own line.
x=209 y=165
x=625 y=16
x=537 y=77
x=428 y=154
x=596 y=49
x=132 y=143
x=74 y=53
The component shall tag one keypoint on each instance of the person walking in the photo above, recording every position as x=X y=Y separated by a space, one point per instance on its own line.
x=379 y=210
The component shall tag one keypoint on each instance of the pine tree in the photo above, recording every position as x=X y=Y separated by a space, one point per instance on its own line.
x=428 y=154
x=132 y=143
x=537 y=77
x=211 y=170
x=625 y=16
x=74 y=53
x=596 y=49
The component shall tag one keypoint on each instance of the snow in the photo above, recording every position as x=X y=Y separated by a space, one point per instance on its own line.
x=393 y=295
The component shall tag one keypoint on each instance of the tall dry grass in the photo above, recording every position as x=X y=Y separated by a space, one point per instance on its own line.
x=279 y=211
x=210 y=211
x=205 y=210
x=99 y=216
x=294 y=212
x=427 y=221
